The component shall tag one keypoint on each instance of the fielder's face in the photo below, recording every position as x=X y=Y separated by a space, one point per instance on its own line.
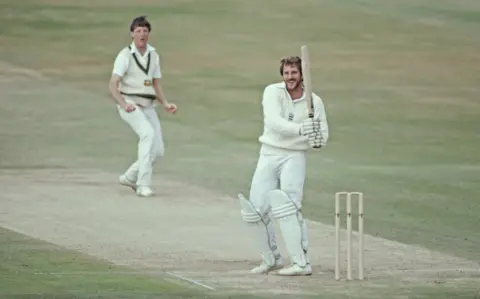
x=292 y=77
x=140 y=37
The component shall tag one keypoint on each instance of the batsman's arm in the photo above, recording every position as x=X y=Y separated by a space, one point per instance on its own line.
x=321 y=115
x=272 y=112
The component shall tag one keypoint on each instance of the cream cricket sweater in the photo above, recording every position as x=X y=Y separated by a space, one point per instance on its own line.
x=138 y=72
x=283 y=119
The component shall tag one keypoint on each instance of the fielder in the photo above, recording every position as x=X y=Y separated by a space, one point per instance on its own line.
x=277 y=185
x=135 y=86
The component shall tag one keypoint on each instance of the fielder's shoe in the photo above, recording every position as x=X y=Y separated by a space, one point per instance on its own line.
x=144 y=191
x=264 y=268
x=295 y=270
x=123 y=180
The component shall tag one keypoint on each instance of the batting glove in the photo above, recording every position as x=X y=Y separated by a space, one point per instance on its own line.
x=316 y=140
x=310 y=126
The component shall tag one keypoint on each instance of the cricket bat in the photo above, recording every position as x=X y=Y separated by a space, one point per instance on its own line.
x=307 y=80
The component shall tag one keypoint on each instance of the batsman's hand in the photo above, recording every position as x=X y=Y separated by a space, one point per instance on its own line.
x=128 y=107
x=310 y=126
x=170 y=108
x=316 y=140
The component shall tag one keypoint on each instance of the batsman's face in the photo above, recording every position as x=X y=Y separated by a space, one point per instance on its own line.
x=140 y=36
x=292 y=77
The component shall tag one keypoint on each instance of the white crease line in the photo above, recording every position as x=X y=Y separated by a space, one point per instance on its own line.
x=128 y=273
x=190 y=280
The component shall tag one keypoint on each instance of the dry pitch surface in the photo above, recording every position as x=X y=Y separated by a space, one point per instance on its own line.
x=188 y=231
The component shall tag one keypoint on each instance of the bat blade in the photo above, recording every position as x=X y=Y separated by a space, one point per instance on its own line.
x=307 y=80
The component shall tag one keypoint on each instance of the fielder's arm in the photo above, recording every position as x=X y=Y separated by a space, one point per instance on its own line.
x=120 y=67
x=157 y=86
x=159 y=92
x=113 y=87
x=272 y=112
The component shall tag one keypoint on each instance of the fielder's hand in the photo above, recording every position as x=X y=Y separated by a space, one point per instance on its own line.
x=128 y=107
x=170 y=108
x=310 y=126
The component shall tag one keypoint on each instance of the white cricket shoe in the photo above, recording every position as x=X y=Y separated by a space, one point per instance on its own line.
x=295 y=270
x=144 y=191
x=123 y=180
x=264 y=268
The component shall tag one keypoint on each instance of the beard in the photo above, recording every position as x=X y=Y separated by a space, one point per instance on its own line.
x=293 y=84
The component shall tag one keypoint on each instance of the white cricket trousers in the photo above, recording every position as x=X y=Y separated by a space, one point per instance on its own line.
x=285 y=172
x=145 y=123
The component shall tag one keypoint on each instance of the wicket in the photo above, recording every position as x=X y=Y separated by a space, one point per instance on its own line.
x=348 y=201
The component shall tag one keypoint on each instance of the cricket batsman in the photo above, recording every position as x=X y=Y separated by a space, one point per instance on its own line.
x=277 y=185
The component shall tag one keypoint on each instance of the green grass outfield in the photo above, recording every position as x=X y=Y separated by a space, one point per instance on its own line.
x=399 y=80
x=35 y=269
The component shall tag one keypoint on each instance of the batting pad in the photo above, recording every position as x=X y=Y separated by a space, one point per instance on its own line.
x=259 y=228
x=286 y=213
x=249 y=214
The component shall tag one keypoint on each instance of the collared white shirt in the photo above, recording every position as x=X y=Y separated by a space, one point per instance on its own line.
x=122 y=60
